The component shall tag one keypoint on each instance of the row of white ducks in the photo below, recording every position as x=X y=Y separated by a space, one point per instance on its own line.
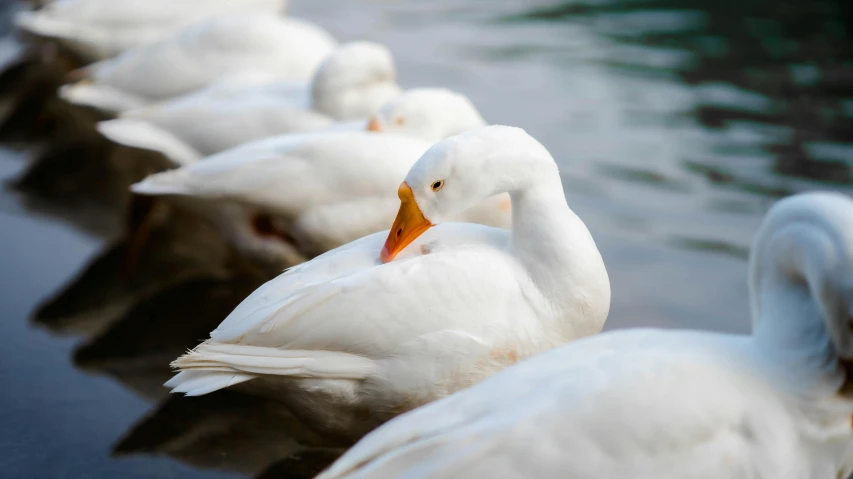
x=292 y=197
x=233 y=106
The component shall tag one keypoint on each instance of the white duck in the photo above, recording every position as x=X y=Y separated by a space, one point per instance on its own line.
x=288 y=198
x=353 y=82
x=348 y=341
x=100 y=29
x=430 y=114
x=666 y=404
x=222 y=49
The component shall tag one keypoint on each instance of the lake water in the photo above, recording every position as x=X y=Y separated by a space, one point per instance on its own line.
x=676 y=124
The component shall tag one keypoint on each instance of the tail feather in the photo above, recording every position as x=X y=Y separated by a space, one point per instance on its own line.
x=39 y=23
x=213 y=366
x=100 y=96
x=164 y=183
x=144 y=135
x=198 y=383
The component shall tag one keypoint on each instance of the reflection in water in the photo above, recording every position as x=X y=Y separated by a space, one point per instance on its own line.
x=177 y=247
x=227 y=430
x=88 y=174
x=752 y=100
x=73 y=168
x=33 y=110
x=232 y=432
x=34 y=69
x=137 y=348
x=307 y=463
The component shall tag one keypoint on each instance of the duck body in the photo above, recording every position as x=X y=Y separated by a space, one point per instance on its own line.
x=351 y=338
x=202 y=126
x=653 y=403
x=301 y=182
x=221 y=49
x=384 y=317
x=702 y=405
x=101 y=29
x=224 y=116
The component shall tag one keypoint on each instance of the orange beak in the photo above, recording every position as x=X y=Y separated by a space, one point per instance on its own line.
x=409 y=224
x=373 y=125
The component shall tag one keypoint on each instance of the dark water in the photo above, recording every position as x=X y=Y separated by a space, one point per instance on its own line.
x=676 y=124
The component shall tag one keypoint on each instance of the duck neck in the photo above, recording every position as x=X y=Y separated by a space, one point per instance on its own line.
x=559 y=254
x=790 y=304
x=792 y=334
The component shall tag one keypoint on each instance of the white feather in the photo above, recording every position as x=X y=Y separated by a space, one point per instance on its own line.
x=221 y=49
x=99 y=29
x=140 y=134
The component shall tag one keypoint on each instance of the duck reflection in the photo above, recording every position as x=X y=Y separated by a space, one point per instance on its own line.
x=74 y=174
x=85 y=181
x=136 y=350
x=175 y=248
x=231 y=432
x=227 y=430
x=307 y=463
x=33 y=111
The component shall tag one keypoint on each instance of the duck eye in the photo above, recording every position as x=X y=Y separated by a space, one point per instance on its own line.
x=437 y=185
x=399 y=121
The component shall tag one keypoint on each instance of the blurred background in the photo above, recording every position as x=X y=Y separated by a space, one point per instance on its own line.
x=675 y=124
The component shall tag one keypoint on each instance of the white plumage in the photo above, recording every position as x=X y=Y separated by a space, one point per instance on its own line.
x=345 y=334
x=221 y=49
x=321 y=190
x=352 y=83
x=666 y=404
x=100 y=29
x=430 y=114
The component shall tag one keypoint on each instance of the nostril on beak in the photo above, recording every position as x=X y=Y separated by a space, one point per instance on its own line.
x=399 y=232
